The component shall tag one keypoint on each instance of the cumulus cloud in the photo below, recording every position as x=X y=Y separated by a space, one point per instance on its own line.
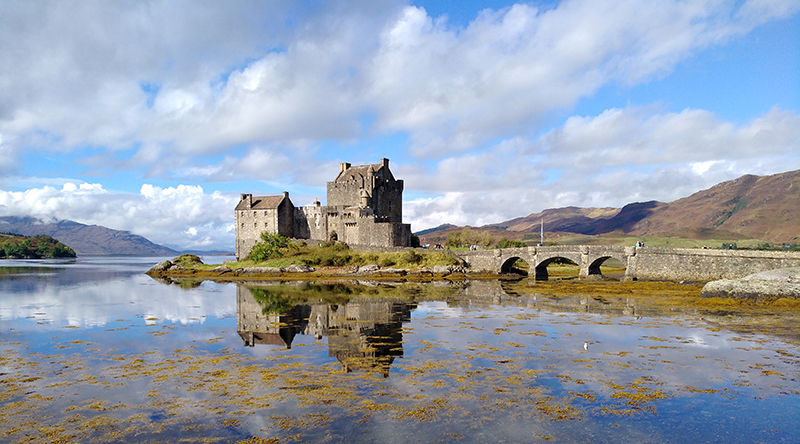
x=617 y=157
x=184 y=215
x=280 y=91
x=188 y=79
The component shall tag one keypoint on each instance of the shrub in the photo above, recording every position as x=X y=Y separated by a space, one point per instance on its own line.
x=386 y=261
x=269 y=248
x=411 y=257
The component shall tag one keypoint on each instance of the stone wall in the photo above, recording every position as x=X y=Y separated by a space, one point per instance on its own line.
x=250 y=223
x=311 y=223
x=249 y=226
x=706 y=265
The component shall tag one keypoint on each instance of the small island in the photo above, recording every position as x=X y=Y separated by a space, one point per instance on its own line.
x=277 y=257
x=41 y=246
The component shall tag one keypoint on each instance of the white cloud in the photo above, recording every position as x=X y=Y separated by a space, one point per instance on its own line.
x=617 y=157
x=187 y=78
x=218 y=92
x=184 y=215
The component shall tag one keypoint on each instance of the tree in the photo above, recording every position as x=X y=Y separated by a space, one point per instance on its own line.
x=468 y=236
x=453 y=239
x=269 y=247
x=509 y=243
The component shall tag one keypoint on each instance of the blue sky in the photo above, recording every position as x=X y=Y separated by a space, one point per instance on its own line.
x=154 y=116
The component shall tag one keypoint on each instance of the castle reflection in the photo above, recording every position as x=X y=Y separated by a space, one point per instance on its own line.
x=363 y=334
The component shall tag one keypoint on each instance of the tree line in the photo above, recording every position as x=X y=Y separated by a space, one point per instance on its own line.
x=468 y=237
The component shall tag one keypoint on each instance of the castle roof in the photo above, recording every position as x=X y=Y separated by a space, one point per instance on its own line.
x=261 y=203
x=353 y=172
x=356 y=171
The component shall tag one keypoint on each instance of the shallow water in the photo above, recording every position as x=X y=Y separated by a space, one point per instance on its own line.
x=94 y=350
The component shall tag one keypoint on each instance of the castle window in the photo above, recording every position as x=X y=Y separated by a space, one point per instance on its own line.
x=255 y=224
x=254 y=214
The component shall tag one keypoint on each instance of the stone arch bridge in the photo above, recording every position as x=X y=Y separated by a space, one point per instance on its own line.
x=647 y=263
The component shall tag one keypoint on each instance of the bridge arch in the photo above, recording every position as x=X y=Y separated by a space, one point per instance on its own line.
x=594 y=265
x=542 y=263
x=508 y=265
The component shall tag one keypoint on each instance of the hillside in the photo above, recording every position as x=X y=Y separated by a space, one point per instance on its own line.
x=91 y=240
x=766 y=208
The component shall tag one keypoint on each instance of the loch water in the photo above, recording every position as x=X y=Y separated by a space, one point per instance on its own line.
x=94 y=350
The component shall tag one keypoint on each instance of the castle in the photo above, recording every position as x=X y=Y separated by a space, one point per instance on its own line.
x=365 y=207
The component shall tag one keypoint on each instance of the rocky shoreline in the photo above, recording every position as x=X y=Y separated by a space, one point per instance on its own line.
x=763 y=286
x=174 y=268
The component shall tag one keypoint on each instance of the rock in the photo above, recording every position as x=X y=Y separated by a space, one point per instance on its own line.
x=369 y=268
x=162 y=266
x=394 y=271
x=260 y=270
x=220 y=269
x=298 y=268
x=442 y=269
x=771 y=284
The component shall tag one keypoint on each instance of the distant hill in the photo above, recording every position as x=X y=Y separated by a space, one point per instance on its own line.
x=87 y=240
x=431 y=230
x=750 y=207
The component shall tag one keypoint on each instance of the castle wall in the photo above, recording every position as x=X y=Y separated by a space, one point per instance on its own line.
x=251 y=222
x=311 y=223
x=344 y=194
x=368 y=230
x=387 y=200
x=249 y=226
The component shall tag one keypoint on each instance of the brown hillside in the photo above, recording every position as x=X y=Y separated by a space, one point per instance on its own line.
x=760 y=207
x=766 y=208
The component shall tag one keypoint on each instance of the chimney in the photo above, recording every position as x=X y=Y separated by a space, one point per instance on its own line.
x=248 y=198
x=343 y=166
x=385 y=162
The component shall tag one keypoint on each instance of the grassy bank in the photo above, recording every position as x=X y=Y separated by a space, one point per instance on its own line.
x=340 y=255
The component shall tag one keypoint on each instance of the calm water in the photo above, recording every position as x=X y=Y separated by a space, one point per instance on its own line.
x=94 y=350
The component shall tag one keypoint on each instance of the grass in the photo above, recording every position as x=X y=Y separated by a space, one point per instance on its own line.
x=340 y=255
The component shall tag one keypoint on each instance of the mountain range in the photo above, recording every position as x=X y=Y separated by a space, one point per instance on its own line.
x=766 y=208
x=86 y=240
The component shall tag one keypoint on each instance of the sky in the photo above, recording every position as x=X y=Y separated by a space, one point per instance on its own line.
x=154 y=116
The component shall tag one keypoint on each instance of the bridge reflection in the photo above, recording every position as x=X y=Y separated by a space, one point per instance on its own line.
x=364 y=334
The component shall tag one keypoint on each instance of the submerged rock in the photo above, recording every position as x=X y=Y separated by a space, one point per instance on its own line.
x=771 y=284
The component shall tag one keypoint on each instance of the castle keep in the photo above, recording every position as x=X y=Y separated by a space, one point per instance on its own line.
x=365 y=207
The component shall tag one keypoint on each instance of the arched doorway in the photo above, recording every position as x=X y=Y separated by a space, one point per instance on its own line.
x=557 y=268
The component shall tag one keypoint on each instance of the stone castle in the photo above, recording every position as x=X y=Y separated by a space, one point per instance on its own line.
x=365 y=207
